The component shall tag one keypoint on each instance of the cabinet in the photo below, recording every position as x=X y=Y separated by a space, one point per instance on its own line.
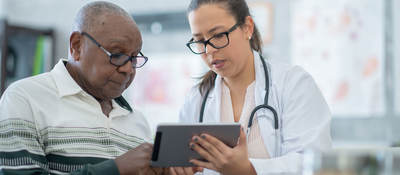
x=24 y=52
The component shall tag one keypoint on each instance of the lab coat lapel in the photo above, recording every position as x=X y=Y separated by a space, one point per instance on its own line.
x=214 y=103
x=265 y=117
x=260 y=79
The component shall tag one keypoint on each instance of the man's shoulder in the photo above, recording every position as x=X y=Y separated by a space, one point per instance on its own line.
x=41 y=83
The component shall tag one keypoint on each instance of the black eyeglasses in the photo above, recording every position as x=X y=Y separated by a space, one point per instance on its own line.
x=217 y=41
x=120 y=59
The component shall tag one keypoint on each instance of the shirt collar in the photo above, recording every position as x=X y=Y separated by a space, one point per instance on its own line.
x=66 y=85
x=120 y=108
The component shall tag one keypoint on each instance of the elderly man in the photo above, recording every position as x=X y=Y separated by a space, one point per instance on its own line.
x=74 y=119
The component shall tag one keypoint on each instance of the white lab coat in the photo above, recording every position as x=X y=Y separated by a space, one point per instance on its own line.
x=304 y=116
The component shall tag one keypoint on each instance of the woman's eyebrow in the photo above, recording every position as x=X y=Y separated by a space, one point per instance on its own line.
x=209 y=31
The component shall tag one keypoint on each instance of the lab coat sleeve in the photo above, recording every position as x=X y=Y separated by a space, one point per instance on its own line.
x=190 y=110
x=305 y=124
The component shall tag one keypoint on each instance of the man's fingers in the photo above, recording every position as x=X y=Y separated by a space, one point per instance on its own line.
x=188 y=170
x=179 y=170
x=172 y=171
x=146 y=146
x=197 y=169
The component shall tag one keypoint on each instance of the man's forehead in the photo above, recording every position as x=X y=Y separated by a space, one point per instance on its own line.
x=113 y=19
x=117 y=26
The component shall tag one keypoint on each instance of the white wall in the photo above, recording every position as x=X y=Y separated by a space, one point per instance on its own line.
x=2 y=9
x=59 y=14
x=396 y=29
x=279 y=48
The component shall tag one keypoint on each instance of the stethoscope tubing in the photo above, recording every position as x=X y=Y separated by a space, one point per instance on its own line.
x=263 y=106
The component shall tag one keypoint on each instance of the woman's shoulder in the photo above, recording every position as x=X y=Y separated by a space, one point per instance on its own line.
x=283 y=72
x=193 y=93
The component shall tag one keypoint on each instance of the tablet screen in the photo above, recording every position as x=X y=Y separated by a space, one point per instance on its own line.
x=171 y=144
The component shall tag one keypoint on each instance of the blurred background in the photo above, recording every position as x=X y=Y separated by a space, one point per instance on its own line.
x=350 y=47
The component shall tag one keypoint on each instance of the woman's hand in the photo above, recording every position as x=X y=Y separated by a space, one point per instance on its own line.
x=184 y=170
x=221 y=157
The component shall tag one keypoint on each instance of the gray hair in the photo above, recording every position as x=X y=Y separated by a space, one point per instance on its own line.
x=89 y=14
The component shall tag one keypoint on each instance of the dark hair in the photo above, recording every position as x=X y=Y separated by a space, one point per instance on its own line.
x=239 y=10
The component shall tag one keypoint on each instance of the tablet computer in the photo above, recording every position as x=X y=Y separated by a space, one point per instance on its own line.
x=171 y=144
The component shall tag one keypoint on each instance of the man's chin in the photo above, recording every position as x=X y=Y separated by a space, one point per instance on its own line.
x=112 y=94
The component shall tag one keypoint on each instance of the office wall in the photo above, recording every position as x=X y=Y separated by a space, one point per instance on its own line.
x=279 y=47
x=396 y=39
x=2 y=9
x=60 y=14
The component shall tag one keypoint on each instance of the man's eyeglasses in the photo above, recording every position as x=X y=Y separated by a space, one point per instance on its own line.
x=120 y=59
x=218 y=41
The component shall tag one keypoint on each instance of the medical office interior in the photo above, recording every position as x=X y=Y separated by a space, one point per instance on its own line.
x=350 y=47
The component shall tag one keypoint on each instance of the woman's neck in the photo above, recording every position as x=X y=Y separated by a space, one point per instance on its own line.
x=244 y=78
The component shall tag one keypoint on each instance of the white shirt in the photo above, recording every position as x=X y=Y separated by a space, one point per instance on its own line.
x=255 y=144
x=61 y=119
x=303 y=115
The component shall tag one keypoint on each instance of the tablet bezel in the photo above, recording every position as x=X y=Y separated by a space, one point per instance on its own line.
x=171 y=144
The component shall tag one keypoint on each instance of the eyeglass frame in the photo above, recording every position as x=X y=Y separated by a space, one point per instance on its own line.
x=234 y=27
x=110 y=55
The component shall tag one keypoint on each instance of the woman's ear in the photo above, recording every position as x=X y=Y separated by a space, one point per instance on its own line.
x=249 y=27
x=75 y=45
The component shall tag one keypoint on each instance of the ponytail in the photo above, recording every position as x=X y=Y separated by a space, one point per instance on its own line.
x=207 y=82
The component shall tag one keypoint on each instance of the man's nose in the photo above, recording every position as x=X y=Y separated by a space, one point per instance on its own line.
x=127 y=67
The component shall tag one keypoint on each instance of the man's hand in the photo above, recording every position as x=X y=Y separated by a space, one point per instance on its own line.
x=137 y=161
x=184 y=170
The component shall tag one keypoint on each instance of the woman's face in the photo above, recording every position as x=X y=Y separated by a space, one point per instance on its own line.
x=208 y=21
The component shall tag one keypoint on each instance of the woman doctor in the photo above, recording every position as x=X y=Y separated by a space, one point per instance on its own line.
x=293 y=115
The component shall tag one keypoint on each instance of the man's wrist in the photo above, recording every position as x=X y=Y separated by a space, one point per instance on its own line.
x=119 y=165
x=108 y=167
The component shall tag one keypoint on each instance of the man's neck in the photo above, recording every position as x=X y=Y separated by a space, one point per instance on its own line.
x=106 y=105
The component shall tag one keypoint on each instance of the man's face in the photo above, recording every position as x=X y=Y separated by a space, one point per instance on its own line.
x=116 y=34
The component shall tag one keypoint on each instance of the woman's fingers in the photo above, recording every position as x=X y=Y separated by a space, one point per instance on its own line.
x=203 y=164
x=208 y=146
x=221 y=146
x=202 y=152
x=242 y=138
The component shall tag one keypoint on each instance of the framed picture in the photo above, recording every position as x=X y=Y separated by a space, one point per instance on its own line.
x=262 y=13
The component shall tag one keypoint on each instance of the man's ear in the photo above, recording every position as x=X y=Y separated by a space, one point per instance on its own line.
x=75 y=45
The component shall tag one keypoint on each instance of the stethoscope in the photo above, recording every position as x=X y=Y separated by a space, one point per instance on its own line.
x=262 y=106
